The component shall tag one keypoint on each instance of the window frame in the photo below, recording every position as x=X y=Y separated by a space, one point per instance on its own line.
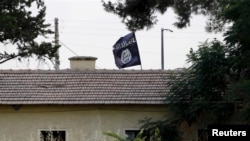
x=131 y=129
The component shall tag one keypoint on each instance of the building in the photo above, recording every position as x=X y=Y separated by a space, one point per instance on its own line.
x=78 y=104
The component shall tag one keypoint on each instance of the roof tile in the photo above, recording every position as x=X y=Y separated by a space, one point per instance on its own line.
x=83 y=87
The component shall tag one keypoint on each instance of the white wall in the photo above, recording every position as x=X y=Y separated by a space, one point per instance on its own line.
x=82 y=123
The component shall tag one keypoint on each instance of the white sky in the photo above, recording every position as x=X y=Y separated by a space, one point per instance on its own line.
x=88 y=30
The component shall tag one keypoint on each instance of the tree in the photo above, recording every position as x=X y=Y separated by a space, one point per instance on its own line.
x=216 y=86
x=200 y=94
x=237 y=37
x=205 y=93
x=139 y=137
x=206 y=79
x=140 y=14
x=20 y=27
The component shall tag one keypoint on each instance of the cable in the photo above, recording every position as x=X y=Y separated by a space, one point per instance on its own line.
x=68 y=48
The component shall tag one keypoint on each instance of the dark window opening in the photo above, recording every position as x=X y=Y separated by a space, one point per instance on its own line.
x=52 y=135
x=131 y=134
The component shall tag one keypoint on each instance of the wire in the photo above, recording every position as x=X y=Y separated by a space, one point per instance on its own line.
x=68 y=48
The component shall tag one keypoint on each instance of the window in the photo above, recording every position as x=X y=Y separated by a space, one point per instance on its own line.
x=52 y=135
x=131 y=134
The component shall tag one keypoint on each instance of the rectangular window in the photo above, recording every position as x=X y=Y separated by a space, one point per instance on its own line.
x=131 y=134
x=52 y=135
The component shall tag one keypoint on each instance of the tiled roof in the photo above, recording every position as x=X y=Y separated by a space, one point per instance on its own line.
x=83 y=87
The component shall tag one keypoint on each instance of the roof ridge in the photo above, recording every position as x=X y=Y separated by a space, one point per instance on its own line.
x=87 y=71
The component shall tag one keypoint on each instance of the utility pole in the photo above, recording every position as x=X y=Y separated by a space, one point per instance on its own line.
x=57 y=62
x=162 y=47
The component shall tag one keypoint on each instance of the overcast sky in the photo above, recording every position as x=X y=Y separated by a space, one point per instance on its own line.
x=85 y=29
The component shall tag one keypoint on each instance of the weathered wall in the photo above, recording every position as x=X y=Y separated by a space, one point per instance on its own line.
x=82 y=123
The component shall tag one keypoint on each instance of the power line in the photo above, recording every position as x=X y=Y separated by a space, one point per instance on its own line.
x=68 y=48
x=111 y=22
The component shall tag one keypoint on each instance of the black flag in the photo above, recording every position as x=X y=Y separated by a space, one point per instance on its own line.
x=126 y=51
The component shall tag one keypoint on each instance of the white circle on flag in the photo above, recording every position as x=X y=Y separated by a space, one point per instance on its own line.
x=126 y=56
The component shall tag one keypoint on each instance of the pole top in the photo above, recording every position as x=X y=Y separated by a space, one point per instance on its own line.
x=167 y=29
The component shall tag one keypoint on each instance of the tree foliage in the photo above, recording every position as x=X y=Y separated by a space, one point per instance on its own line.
x=139 y=137
x=216 y=86
x=201 y=91
x=237 y=36
x=20 y=26
x=167 y=127
x=140 y=14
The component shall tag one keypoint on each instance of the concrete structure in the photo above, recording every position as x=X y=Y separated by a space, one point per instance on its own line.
x=78 y=104
x=82 y=62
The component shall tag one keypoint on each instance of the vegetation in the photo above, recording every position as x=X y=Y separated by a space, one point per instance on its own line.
x=139 y=137
x=201 y=91
x=168 y=128
x=216 y=87
x=140 y=14
x=20 y=27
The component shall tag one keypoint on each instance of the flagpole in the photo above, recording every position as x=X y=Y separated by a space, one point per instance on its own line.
x=138 y=49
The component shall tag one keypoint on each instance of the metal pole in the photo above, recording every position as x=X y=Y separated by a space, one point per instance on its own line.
x=162 y=47
x=162 y=50
x=56 y=43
